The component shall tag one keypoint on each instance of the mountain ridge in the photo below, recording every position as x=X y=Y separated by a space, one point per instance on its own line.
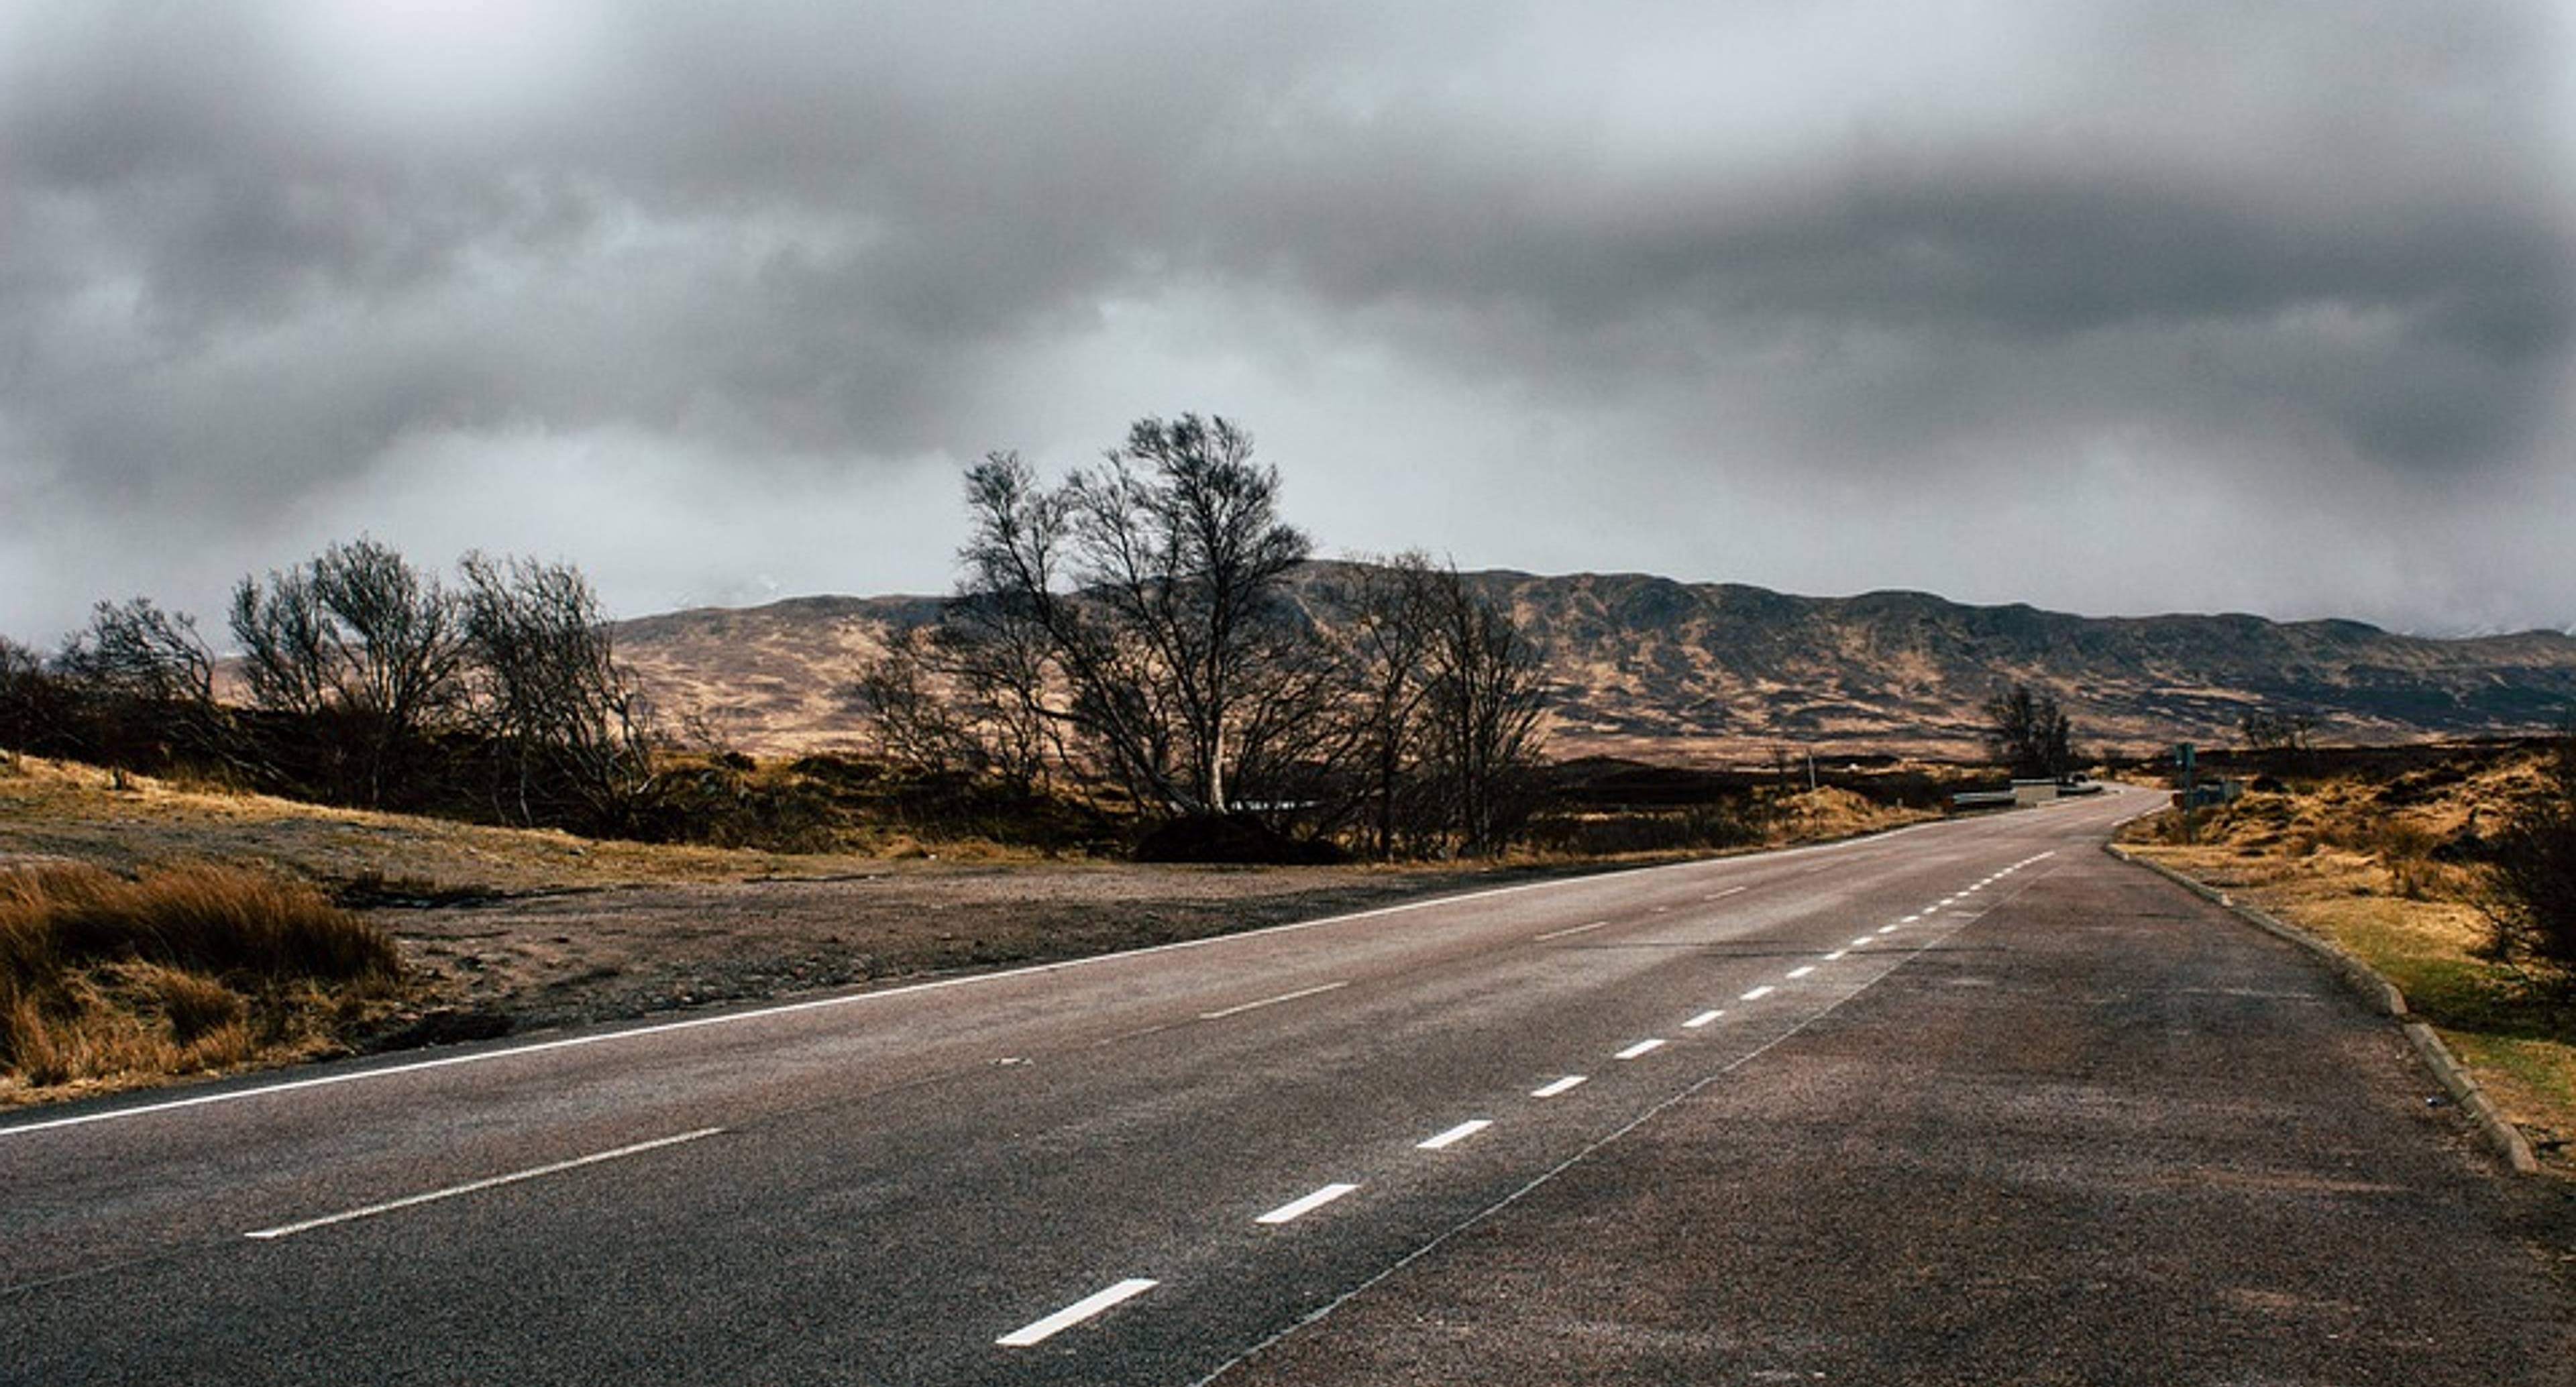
x=1643 y=665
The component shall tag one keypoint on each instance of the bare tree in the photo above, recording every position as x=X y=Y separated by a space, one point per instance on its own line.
x=571 y=721
x=359 y=634
x=146 y=682
x=1392 y=630
x=1151 y=584
x=917 y=724
x=2531 y=876
x=2030 y=733
x=2265 y=730
x=138 y=652
x=1486 y=701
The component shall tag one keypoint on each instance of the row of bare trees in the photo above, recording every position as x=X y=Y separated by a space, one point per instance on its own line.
x=368 y=682
x=1135 y=625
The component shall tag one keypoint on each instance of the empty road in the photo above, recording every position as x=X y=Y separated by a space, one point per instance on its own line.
x=1970 y=1102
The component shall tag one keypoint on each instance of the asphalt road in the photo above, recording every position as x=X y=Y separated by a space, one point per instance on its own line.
x=1966 y=1103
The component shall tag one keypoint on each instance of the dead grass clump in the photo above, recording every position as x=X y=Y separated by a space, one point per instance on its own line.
x=182 y=969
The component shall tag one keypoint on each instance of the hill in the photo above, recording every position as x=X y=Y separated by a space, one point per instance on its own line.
x=1649 y=667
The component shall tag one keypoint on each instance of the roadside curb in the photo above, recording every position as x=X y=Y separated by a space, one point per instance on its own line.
x=2381 y=995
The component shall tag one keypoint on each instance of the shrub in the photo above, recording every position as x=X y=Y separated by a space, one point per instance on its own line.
x=2533 y=872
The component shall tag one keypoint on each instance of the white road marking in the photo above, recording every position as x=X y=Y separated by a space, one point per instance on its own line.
x=1863 y=941
x=1642 y=1047
x=1802 y=970
x=1891 y=929
x=1272 y=1001
x=1756 y=994
x=1555 y=1087
x=557 y=1168
x=1578 y=929
x=1836 y=954
x=1702 y=1019
x=1454 y=1135
x=506 y=1052
x=1910 y=919
x=1298 y=1208
x=1039 y=1331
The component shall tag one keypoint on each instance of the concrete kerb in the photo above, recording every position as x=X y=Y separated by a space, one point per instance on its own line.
x=2383 y=996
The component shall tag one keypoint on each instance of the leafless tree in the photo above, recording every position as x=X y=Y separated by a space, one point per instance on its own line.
x=136 y=651
x=2030 y=733
x=358 y=634
x=917 y=723
x=1486 y=701
x=146 y=683
x=2265 y=730
x=1151 y=586
x=570 y=720
x=1393 y=628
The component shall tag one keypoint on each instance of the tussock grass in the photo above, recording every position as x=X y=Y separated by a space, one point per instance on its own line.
x=107 y=980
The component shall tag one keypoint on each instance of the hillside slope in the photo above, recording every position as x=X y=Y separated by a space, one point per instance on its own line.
x=1648 y=666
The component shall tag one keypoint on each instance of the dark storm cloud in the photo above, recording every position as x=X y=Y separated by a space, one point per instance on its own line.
x=263 y=256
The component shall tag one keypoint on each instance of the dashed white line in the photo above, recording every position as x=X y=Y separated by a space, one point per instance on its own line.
x=1454 y=1135
x=1910 y=919
x=1702 y=1019
x=1863 y=942
x=1550 y=1090
x=1299 y=1207
x=1891 y=929
x=1722 y=895
x=1836 y=954
x=1271 y=1001
x=1802 y=970
x=1578 y=929
x=1039 y=1331
x=557 y=1168
x=1756 y=994
x=1642 y=1047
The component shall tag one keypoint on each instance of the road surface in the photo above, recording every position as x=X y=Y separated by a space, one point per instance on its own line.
x=1969 y=1102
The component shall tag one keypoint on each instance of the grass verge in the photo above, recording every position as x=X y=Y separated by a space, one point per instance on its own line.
x=115 y=982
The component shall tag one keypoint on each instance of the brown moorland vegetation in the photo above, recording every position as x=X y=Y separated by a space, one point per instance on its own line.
x=107 y=980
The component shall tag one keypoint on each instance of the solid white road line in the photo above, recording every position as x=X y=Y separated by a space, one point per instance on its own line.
x=1642 y=1047
x=1295 y=1209
x=1802 y=970
x=1578 y=929
x=1271 y=1001
x=1702 y=1019
x=1550 y=1090
x=1454 y=1135
x=370 y=1211
x=1756 y=994
x=729 y=1018
x=1039 y=1331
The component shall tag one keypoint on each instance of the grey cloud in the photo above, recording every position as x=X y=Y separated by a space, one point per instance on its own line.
x=1890 y=247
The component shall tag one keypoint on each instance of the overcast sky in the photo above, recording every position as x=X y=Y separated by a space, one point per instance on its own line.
x=2108 y=307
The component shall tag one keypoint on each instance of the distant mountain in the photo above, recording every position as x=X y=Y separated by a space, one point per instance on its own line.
x=1647 y=666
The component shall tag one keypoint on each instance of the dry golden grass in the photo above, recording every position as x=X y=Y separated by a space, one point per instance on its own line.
x=2358 y=865
x=108 y=981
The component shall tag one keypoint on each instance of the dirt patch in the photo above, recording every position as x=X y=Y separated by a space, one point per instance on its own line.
x=571 y=958
x=504 y=930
